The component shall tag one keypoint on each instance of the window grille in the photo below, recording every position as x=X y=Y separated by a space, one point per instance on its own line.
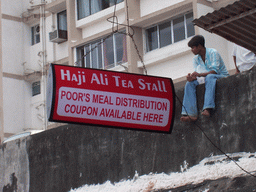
x=103 y=55
x=170 y=32
x=35 y=34
x=36 y=88
x=89 y=7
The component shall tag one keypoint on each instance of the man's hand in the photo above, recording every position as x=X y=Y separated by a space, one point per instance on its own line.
x=191 y=77
x=195 y=74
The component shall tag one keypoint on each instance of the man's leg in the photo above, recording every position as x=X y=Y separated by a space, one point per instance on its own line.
x=189 y=107
x=209 y=97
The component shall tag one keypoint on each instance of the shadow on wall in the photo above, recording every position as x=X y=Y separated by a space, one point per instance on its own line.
x=13 y=186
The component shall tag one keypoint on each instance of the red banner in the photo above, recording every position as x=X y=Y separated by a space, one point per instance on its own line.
x=112 y=99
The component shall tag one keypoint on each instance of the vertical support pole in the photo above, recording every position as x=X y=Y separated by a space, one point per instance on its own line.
x=132 y=10
x=74 y=34
x=1 y=83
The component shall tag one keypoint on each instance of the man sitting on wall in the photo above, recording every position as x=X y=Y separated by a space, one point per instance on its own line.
x=244 y=59
x=209 y=67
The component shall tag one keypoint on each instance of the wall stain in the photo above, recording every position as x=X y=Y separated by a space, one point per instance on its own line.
x=13 y=187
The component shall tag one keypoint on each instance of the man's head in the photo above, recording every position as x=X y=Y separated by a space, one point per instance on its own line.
x=196 y=40
x=197 y=43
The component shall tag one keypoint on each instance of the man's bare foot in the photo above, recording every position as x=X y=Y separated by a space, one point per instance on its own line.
x=206 y=113
x=188 y=119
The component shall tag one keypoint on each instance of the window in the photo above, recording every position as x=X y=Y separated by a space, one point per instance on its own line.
x=36 y=88
x=35 y=34
x=62 y=20
x=89 y=7
x=61 y=34
x=104 y=53
x=170 y=32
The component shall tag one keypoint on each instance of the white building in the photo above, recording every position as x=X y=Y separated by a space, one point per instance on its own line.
x=35 y=33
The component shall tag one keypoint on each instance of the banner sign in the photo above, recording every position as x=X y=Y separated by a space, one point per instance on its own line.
x=112 y=99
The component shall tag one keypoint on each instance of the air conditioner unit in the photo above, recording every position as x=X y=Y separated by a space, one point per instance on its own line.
x=58 y=36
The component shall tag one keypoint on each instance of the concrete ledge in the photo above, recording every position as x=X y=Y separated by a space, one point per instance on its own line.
x=73 y=155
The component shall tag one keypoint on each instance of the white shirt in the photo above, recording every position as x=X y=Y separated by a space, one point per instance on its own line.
x=245 y=59
x=201 y=69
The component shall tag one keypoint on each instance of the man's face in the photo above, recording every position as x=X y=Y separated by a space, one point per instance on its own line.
x=195 y=49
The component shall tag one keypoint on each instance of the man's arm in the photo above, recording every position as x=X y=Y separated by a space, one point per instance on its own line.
x=195 y=74
x=237 y=70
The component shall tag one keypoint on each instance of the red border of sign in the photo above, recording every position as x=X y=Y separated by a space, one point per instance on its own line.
x=52 y=102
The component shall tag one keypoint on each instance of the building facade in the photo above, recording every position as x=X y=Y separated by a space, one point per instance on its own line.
x=137 y=36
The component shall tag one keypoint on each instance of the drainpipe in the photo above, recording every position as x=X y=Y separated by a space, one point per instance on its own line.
x=54 y=27
x=43 y=79
x=1 y=83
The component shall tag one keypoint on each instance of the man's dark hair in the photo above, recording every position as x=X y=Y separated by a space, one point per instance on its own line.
x=196 y=40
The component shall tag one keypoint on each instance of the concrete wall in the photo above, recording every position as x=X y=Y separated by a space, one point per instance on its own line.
x=173 y=61
x=72 y=155
x=150 y=6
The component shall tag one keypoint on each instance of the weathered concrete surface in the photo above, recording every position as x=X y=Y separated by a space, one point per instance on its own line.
x=237 y=184
x=72 y=155
x=14 y=163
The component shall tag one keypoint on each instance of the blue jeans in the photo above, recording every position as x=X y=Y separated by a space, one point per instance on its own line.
x=190 y=101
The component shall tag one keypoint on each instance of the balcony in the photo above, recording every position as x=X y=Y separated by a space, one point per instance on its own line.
x=56 y=6
x=58 y=36
x=30 y=18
